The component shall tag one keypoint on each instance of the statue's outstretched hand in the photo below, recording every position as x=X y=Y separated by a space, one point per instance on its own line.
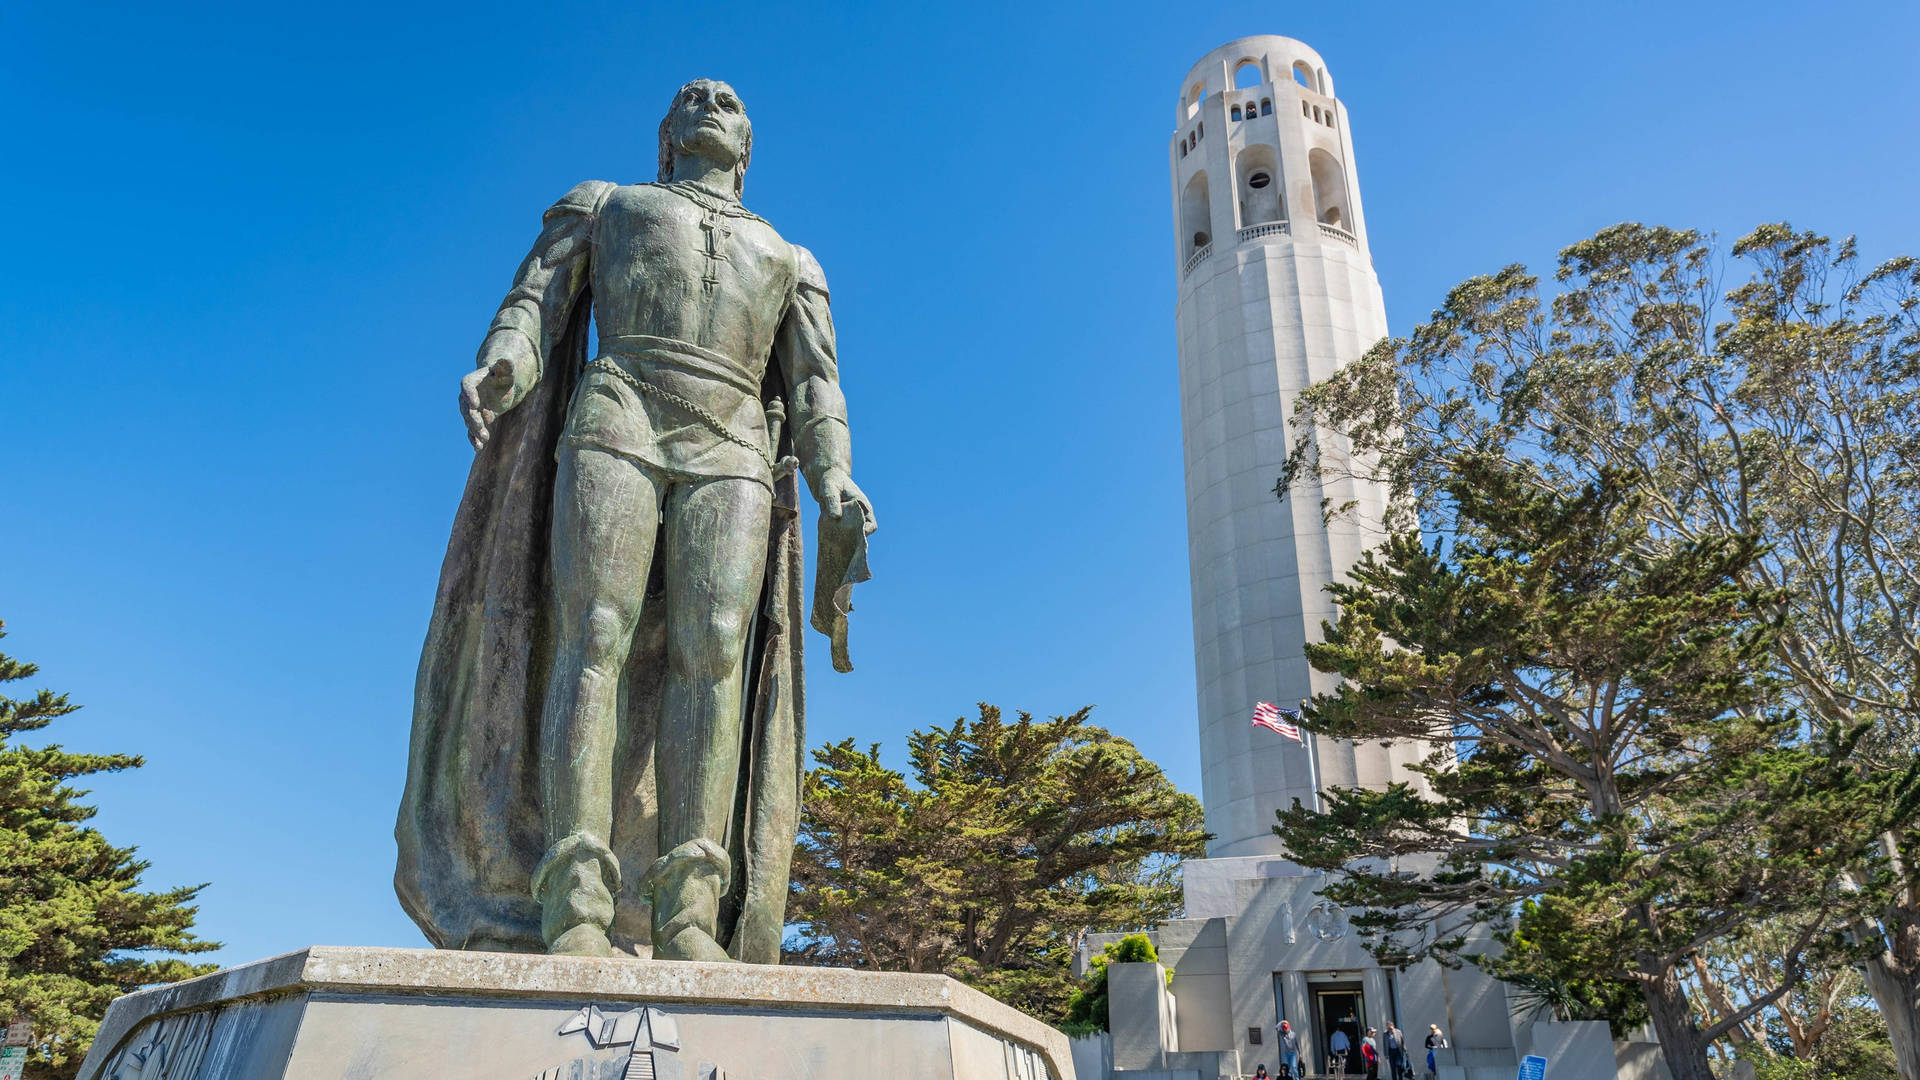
x=477 y=416
x=506 y=373
x=838 y=491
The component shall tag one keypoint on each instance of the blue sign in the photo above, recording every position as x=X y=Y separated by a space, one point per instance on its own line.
x=1533 y=1067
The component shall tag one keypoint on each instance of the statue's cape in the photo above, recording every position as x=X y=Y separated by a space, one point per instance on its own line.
x=470 y=829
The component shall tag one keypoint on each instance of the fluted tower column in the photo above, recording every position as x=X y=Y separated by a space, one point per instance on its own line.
x=1276 y=291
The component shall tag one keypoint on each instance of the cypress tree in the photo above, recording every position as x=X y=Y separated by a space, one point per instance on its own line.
x=76 y=928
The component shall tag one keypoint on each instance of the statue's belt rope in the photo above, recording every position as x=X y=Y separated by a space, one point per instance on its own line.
x=698 y=411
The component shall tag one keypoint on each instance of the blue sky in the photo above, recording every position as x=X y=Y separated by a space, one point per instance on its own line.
x=251 y=249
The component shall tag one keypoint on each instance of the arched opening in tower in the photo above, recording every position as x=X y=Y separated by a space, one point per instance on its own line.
x=1329 y=190
x=1257 y=180
x=1196 y=214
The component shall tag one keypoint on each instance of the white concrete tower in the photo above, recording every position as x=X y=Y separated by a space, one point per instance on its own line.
x=1277 y=291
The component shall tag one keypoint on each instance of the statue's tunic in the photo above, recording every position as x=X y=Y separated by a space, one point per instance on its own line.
x=692 y=294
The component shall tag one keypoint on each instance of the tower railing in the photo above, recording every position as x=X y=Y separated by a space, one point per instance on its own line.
x=1270 y=228
x=1197 y=258
x=1335 y=232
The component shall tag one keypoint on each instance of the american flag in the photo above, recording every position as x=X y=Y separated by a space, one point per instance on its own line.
x=1268 y=716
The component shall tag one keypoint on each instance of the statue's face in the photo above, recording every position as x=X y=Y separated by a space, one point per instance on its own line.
x=708 y=120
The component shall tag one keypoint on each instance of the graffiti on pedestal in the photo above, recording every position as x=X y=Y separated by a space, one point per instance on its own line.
x=169 y=1048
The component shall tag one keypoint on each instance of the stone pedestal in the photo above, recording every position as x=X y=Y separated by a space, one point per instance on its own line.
x=367 y=1014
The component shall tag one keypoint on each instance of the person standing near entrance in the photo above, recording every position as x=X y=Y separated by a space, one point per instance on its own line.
x=1435 y=1041
x=1370 y=1054
x=1289 y=1051
x=1395 y=1042
x=1337 y=1046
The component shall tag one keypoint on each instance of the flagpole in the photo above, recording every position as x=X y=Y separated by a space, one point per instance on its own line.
x=1313 y=770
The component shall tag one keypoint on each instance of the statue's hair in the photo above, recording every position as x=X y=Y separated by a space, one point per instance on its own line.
x=666 y=144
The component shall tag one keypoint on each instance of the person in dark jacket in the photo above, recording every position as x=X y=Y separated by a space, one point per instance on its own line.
x=1395 y=1044
x=1435 y=1041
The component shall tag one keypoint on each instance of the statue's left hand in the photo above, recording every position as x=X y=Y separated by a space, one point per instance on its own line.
x=837 y=491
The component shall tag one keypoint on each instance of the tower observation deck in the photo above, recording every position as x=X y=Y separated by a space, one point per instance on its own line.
x=1276 y=291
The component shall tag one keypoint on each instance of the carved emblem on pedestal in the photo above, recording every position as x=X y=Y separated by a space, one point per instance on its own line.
x=642 y=1043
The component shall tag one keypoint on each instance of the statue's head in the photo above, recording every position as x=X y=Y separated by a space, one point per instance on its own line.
x=707 y=120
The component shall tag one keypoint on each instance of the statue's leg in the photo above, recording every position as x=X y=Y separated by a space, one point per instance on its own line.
x=716 y=537
x=605 y=516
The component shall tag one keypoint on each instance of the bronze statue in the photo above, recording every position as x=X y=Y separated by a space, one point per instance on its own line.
x=608 y=719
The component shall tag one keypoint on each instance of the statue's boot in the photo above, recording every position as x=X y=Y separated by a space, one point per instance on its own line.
x=684 y=887
x=575 y=884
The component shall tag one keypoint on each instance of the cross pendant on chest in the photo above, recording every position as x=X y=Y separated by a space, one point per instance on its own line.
x=718 y=231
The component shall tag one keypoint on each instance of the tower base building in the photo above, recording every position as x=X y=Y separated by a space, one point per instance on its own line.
x=1276 y=292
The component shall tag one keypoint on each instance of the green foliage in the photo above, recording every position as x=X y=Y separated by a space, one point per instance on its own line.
x=1825 y=1025
x=1784 y=406
x=1087 y=1008
x=1550 y=977
x=1010 y=841
x=1605 y=745
x=1856 y=1048
x=76 y=931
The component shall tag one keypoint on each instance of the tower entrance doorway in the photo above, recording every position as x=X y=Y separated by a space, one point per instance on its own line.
x=1338 y=1007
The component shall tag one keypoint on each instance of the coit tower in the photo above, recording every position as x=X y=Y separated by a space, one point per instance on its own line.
x=1276 y=291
